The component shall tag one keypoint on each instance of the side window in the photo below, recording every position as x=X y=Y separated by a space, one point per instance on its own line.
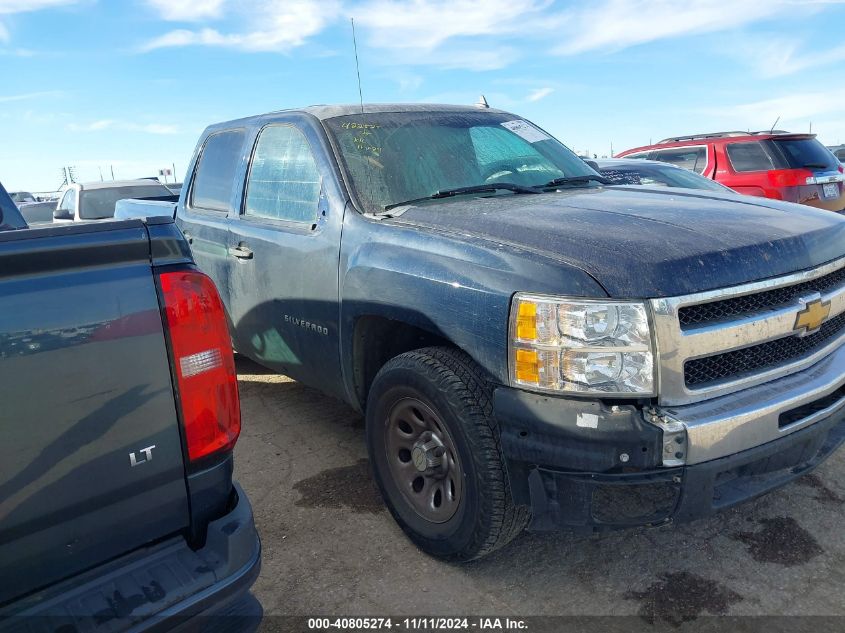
x=68 y=202
x=692 y=158
x=215 y=173
x=840 y=154
x=284 y=183
x=748 y=157
x=638 y=155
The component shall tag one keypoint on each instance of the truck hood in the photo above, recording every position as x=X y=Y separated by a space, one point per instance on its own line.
x=640 y=242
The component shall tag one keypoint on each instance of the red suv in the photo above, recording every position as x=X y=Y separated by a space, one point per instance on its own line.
x=772 y=164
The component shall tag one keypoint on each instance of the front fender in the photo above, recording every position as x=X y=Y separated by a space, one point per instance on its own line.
x=457 y=287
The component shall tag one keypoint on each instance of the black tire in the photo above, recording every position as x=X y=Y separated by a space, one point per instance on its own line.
x=456 y=391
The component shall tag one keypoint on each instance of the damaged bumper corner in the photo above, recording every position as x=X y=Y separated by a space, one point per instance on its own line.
x=584 y=464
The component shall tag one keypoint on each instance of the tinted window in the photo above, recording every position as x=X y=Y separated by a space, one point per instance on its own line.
x=393 y=157
x=692 y=158
x=215 y=174
x=284 y=183
x=749 y=157
x=660 y=176
x=806 y=153
x=638 y=155
x=840 y=154
x=97 y=204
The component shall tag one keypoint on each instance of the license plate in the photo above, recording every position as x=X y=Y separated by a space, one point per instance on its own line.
x=830 y=190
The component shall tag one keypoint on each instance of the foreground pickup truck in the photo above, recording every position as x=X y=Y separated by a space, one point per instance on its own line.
x=530 y=346
x=119 y=414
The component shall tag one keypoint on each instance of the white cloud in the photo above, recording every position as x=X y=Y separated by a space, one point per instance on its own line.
x=30 y=95
x=540 y=93
x=21 y=6
x=777 y=57
x=187 y=10
x=426 y=24
x=466 y=34
x=619 y=24
x=271 y=26
x=8 y=7
x=794 y=106
x=793 y=112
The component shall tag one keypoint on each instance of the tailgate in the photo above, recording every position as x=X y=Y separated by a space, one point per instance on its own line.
x=86 y=393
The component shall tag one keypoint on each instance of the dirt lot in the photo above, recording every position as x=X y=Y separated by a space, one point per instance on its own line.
x=330 y=547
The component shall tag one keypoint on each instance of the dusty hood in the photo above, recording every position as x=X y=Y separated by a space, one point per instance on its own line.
x=640 y=242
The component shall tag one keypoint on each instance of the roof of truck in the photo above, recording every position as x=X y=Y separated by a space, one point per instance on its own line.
x=330 y=111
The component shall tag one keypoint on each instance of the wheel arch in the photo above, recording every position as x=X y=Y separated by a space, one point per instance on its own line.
x=376 y=340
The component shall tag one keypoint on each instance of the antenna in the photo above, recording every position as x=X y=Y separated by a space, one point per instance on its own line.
x=482 y=102
x=774 y=124
x=357 y=66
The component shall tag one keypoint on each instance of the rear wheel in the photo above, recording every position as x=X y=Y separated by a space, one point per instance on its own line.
x=436 y=457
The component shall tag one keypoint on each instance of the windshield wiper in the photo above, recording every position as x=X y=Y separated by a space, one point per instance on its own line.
x=575 y=180
x=458 y=191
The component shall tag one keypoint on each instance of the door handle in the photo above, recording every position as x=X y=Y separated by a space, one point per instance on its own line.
x=241 y=252
x=188 y=238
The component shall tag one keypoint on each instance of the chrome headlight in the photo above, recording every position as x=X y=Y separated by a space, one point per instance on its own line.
x=581 y=346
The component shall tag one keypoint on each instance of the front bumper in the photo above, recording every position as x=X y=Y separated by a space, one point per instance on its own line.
x=606 y=475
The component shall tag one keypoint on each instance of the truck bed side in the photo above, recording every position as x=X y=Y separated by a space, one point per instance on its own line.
x=92 y=462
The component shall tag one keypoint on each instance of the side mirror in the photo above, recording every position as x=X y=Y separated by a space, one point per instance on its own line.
x=593 y=164
x=62 y=214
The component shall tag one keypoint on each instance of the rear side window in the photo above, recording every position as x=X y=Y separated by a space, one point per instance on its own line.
x=806 y=153
x=749 y=157
x=284 y=183
x=215 y=174
x=692 y=158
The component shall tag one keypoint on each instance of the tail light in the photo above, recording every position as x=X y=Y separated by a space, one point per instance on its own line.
x=791 y=177
x=203 y=362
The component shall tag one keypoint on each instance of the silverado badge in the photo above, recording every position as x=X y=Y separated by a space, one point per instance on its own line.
x=810 y=319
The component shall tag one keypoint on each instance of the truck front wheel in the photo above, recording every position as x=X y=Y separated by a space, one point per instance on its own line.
x=434 y=446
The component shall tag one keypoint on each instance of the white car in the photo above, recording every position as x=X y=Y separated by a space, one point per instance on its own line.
x=86 y=202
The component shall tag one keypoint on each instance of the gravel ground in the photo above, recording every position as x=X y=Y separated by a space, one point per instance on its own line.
x=330 y=547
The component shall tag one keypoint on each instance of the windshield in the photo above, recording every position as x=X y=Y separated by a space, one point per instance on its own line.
x=660 y=176
x=96 y=204
x=807 y=153
x=394 y=157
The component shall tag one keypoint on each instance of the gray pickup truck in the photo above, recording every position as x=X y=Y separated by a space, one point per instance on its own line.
x=119 y=414
x=531 y=346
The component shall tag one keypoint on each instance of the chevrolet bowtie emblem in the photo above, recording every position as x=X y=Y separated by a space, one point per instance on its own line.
x=810 y=319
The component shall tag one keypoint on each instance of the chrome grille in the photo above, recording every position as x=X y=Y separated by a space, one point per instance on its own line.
x=749 y=360
x=716 y=311
x=721 y=341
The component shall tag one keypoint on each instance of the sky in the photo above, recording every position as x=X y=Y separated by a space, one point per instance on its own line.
x=127 y=86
